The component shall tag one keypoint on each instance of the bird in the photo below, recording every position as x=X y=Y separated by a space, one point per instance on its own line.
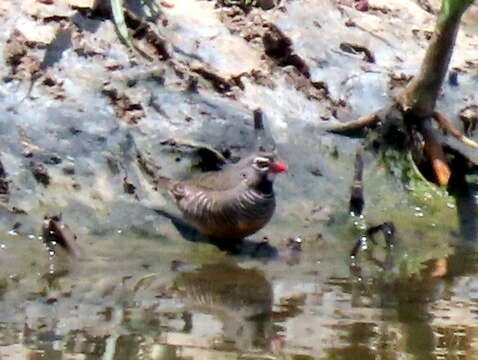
x=231 y=203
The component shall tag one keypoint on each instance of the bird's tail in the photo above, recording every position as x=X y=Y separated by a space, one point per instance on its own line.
x=151 y=172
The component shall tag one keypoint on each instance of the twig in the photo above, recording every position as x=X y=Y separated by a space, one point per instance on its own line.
x=448 y=127
x=352 y=23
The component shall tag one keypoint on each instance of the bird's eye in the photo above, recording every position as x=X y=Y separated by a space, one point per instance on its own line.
x=262 y=163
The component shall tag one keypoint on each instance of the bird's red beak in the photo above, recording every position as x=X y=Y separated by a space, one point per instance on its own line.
x=279 y=166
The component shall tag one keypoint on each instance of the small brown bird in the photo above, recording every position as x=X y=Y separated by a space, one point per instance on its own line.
x=231 y=203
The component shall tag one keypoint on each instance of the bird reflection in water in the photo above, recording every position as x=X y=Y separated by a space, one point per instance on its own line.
x=240 y=298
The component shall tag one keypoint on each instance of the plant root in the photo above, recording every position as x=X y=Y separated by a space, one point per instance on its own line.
x=434 y=151
x=448 y=127
x=354 y=126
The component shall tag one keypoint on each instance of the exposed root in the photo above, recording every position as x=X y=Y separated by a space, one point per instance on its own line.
x=370 y=121
x=433 y=144
x=434 y=150
x=449 y=128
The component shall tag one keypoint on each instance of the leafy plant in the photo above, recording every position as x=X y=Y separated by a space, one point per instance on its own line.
x=237 y=2
x=120 y=23
x=117 y=9
x=414 y=107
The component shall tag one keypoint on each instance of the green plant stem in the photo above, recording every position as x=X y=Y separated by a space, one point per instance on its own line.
x=420 y=96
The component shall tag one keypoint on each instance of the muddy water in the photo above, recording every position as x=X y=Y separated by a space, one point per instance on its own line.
x=155 y=297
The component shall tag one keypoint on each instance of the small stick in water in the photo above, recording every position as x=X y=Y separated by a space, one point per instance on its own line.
x=263 y=139
x=357 y=201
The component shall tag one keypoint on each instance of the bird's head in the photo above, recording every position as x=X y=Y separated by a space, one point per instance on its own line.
x=259 y=170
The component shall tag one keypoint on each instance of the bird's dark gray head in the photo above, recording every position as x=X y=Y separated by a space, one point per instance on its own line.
x=258 y=170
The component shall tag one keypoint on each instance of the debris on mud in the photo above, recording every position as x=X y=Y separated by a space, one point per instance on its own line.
x=56 y=233
x=40 y=173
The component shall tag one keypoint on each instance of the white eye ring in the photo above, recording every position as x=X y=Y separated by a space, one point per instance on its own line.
x=261 y=163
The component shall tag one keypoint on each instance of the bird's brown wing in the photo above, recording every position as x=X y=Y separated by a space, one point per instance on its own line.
x=211 y=181
x=216 y=180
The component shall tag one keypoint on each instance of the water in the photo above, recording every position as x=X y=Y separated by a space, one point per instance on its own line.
x=134 y=297
x=151 y=294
